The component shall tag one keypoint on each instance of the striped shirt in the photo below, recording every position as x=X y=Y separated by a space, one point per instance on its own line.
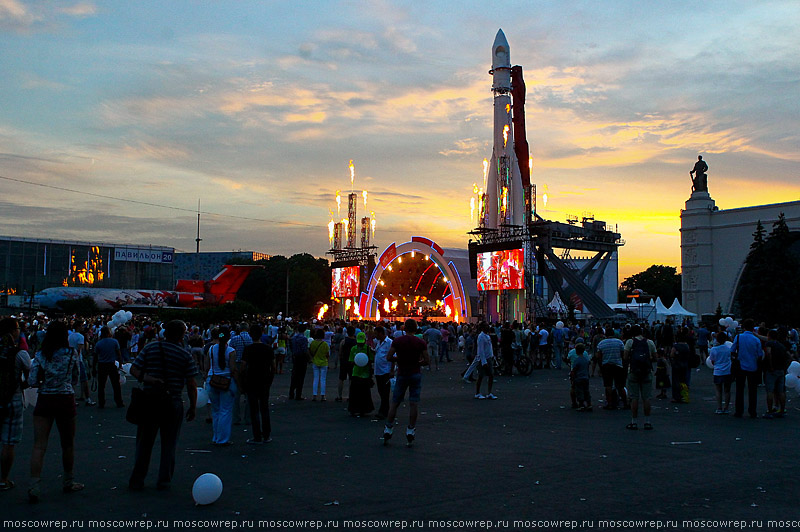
x=239 y=342
x=179 y=362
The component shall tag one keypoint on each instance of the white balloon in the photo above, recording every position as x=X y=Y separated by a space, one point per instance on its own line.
x=207 y=488
x=361 y=359
x=29 y=396
x=728 y=321
x=110 y=324
x=128 y=314
x=559 y=325
x=202 y=397
x=794 y=368
x=735 y=324
x=122 y=379
x=722 y=322
x=792 y=382
x=709 y=363
x=127 y=368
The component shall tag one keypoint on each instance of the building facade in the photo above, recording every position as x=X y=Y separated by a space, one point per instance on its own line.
x=28 y=264
x=714 y=246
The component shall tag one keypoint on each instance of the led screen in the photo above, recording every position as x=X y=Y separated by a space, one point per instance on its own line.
x=344 y=282
x=501 y=270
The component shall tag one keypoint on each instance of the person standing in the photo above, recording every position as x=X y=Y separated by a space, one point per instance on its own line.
x=55 y=372
x=559 y=335
x=77 y=341
x=680 y=368
x=258 y=367
x=485 y=363
x=639 y=353
x=107 y=351
x=345 y=369
x=409 y=353
x=360 y=402
x=579 y=372
x=433 y=336
x=221 y=385
x=610 y=351
x=507 y=348
x=776 y=361
x=298 y=343
x=320 y=354
x=745 y=353
x=165 y=368
x=702 y=344
x=544 y=347
x=444 y=349
x=15 y=365
x=238 y=343
x=383 y=370
x=721 y=360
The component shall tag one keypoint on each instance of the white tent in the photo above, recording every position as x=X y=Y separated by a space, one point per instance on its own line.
x=662 y=312
x=557 y=305
x=678 y=310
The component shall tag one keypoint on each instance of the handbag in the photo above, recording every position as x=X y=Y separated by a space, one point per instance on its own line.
x=219 y=382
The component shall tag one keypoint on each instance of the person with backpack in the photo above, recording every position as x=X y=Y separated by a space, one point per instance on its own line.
x=14 y=364
x=640 y=353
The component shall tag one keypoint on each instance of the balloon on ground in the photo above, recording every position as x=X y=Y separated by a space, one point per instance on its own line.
x=207 y=489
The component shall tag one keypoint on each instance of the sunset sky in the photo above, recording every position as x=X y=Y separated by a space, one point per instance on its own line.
x=256 y=109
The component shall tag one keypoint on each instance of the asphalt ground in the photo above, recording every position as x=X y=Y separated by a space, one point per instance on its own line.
x=525 y=461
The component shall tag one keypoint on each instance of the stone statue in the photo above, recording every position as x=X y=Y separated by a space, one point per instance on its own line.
x=698 y=175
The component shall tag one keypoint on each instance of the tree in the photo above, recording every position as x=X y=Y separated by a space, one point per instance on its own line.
x=769 y=287
x=309 y=282
x=657 y=280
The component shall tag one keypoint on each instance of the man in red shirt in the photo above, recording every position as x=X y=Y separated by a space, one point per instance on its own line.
x=409 y=353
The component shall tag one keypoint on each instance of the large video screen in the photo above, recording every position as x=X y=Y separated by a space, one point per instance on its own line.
x=344 y=282
x=501 y=270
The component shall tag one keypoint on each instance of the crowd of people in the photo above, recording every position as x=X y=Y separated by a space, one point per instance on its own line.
x=227 y=370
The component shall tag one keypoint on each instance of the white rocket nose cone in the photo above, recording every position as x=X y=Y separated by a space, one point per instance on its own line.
x=500 y=51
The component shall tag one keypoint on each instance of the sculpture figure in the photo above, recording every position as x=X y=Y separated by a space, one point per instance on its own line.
x=698 y=175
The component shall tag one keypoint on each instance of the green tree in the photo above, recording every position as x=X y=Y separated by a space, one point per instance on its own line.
x=309 y=282
x=657 y=280
x=769 y=287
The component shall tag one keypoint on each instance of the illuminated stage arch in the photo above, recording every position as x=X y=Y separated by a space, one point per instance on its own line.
x=458 y=299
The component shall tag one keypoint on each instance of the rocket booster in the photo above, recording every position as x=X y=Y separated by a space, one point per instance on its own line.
x=504 y=194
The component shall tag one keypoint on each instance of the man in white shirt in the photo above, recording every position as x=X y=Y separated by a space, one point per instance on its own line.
x=485 y=358
x=383 y=370
x=543 y=353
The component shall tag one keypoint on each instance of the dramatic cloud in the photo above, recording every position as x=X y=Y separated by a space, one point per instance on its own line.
x=257 y=108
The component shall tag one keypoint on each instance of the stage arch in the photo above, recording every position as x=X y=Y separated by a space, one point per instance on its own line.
x=458 y=300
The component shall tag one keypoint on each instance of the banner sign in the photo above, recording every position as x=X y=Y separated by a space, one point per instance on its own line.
x=143 y=255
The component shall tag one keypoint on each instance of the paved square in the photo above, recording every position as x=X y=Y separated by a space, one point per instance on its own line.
x=526 y=457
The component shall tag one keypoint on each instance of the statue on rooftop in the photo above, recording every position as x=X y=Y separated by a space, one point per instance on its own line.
x=698 y=175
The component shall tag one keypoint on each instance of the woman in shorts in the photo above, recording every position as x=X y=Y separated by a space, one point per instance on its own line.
x=55 y=373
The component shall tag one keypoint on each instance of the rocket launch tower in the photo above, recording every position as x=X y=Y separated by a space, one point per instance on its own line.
x=508 y=221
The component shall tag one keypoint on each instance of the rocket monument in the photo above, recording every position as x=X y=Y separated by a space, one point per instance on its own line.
x=504 y=200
